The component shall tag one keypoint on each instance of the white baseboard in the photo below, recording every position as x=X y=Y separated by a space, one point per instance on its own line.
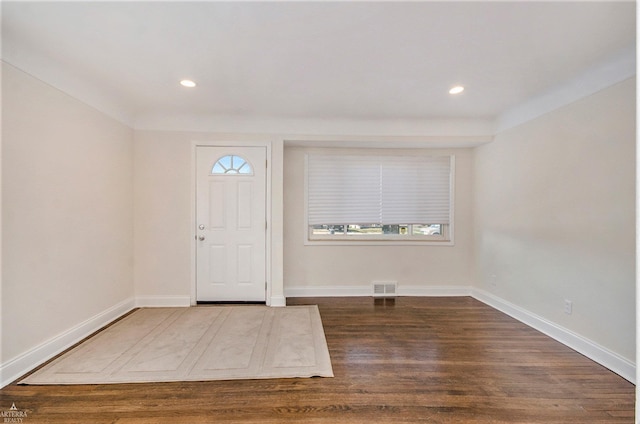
x=364 y=291
x=17 y=367
x=434 y=291
x=588 y=348
x=277 y=301
x=184 y=301
x=29 y=360
x=162 y=301
x=327 y=291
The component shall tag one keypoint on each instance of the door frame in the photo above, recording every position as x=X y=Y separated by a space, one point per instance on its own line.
x=193 y=222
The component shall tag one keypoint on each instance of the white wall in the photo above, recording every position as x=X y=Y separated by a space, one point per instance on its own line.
x=67 y=199
x=162 y=209
x=349 y=270
x=555 y=217
x=163 y=213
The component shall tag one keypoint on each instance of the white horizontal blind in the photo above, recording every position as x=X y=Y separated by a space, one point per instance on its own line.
x=416 y=190
x=386 y=190
x=343 y=189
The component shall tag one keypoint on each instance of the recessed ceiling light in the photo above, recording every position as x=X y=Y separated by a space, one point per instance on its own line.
x=187 y=83
x=456 y=90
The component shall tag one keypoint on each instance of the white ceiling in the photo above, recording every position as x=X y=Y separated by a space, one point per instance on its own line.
x=314 y=60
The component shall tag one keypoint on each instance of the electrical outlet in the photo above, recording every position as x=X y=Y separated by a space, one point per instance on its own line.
x=568 y=307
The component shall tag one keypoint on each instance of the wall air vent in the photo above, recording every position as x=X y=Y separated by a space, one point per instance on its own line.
x=385 y=288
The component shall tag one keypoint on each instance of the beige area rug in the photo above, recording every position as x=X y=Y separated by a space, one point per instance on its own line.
x=197 y=344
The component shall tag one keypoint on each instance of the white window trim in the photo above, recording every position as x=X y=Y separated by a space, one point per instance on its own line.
x=388 y=240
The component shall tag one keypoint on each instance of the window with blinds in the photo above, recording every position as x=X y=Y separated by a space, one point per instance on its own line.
x=382 y=198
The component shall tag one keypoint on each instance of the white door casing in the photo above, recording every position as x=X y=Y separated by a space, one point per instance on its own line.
x=230 y=223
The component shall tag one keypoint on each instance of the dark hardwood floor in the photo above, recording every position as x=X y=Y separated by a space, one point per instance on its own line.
x=412 y=360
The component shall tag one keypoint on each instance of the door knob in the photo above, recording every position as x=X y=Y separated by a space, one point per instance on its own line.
x=201 y=238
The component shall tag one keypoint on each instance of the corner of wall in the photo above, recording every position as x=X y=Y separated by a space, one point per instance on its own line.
x=600 y=354
x=27 y=361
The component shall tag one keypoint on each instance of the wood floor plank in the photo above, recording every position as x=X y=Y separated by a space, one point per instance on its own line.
x=412 y=360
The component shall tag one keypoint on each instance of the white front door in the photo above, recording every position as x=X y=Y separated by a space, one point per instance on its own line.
x=231 y=223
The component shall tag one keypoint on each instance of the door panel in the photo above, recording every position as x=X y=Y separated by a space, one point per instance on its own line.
x=244 y=264
x=230 y=221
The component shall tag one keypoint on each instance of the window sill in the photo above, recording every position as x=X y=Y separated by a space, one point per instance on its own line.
x=378 y=242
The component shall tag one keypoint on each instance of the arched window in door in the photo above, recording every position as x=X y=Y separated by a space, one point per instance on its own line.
x=232 y=165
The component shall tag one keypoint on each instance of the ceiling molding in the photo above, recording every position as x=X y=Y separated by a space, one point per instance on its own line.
x=620 y=67
x=66 y=80
x=481 y=128
x=375 y=142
